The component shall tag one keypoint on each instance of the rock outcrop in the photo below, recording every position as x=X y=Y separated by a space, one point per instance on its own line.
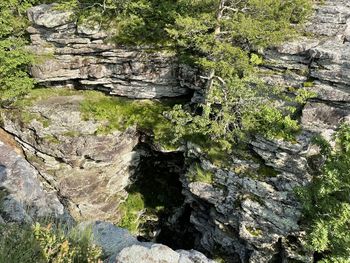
x=23 y=198
x=120 y=247
x=249 y=213
x=89 y=171
x=79 y=54
x=254 y=216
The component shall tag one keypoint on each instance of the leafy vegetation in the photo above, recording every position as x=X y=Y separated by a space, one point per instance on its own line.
x=219 y=40
x=121 y=113
x=198 y=174
x=131 y=211
x=14 y=58
x=326 y=201
x=46 y=243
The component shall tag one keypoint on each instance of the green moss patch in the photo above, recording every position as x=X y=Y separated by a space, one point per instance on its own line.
x=198 y=174
x=131 y=210
x=117 y=113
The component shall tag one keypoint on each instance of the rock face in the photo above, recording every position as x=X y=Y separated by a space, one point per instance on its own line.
x=79 y=55
x=254 y=216
x=89 y=171
x=120 y=247
x=22 y=196
x=249 y=213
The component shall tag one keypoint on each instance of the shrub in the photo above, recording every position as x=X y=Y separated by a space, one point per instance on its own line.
x=131 y=211
x=326 y=201
x=44 y=244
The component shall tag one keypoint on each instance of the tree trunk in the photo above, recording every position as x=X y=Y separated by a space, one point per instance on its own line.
x=217 y=31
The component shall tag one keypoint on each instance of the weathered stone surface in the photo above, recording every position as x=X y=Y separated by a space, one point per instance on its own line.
x=151 y=253
x=246 y=216
x=46 y=16
x=80 y=54
x=120 y=247
x=252 y=216
x=110 y=238
x=89 y=171
x=22 y=195
x=321 y=59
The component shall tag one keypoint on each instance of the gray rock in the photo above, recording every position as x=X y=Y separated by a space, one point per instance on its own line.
x=120 y=247
x=157 y=253
x=22 y=195
x=89 y=171
x=47 y=16
x=80 y=55
x=110 y=238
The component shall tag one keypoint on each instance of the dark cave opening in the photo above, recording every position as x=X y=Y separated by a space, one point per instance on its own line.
x=167 y=218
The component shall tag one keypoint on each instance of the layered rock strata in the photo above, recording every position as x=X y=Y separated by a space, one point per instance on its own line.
x=249 y=213
x=80 y=55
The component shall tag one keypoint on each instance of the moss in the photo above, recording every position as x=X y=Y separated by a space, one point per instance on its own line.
x=308 y=84
x=121 y=113
x=266 y=171
x=131 y=211
x=32 y=158
x=256 y=59
x=71 y=134
x=51 y=139
x=40 y=94
x=255 y=232
x=198 y=174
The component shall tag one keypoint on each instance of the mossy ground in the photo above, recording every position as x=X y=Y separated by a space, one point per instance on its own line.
x=114 y=113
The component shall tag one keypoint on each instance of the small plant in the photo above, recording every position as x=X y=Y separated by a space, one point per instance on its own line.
x=131 y=211
x=255 y=232
x=308 y=84
x=45 y=244
x=198 y=174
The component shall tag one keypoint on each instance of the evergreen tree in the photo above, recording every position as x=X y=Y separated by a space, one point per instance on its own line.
x=14 y=58
x=224 y=39
x=327 y=201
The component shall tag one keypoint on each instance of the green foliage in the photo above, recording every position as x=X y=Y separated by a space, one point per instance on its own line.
x=308 y=84
x=326 y=201
x=44 y=244
x=14 y=58
x=254 y=231
x=198 y=174
x=121 y=113
x=236 y=103
x=131 y=211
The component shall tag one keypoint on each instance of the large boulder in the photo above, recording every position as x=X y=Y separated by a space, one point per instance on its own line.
x=120 y=247
x=23 y=198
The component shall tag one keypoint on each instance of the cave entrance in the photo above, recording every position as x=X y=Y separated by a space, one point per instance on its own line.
x=164 y=217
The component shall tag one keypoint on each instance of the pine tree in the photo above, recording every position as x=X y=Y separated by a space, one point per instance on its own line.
x=327 y=201
x=14 y=58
